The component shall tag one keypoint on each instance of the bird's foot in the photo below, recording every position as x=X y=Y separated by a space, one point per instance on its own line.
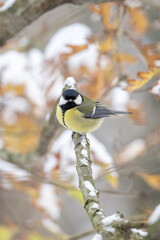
x=82 y=136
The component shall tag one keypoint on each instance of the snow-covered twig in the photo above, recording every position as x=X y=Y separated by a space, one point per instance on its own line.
x=113 y=227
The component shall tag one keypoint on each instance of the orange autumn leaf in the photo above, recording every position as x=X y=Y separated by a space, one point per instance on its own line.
x=139 y=20
x=108 y=44
x=148 y=51
x=158 y=46
x=74 y=49
x=145 y=77
x=110 y=15
x=96 y=87
x=125 y=57
x=112 y=179
x=15 y=89
x=95 y=9
x=23 y=135
x=152 y=180
x=137 y=116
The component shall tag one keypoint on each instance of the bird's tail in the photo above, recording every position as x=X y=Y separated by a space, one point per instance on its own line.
x=115 y=112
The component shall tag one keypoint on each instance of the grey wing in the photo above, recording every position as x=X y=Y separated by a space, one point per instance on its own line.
x=101 y=111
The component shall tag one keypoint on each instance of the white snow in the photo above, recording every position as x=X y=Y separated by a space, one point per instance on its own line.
x=156 y=88
x=99 y=150
x=13 y=64
x=70 y=82
x=24 y=68
x=87 y=58
x=132 y=150
x=97 y=237
x=7 y=4
x=90 y=187
x=63 y=145
x=51 y=225
x=133 y=3
x=74 y=34
x=140 y=232
x=83 y=143
x=155 y=216
x=84 y=153
x=48 y=200
x=18 y=104
x=119 y=98
x=84 y=161
x=110 y=219
x=95 y=206
x=110 y=229
x=50 y=163
x=157 y=63
x=9 y=168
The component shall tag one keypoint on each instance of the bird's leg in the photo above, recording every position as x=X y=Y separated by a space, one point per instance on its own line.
x=79 y=140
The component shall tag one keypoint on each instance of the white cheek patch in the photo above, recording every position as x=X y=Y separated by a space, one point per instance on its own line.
x=78 y=100
x=62 y=101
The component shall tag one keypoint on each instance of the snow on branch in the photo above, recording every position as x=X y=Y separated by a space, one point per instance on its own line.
x=112 y=227
x=15 y=15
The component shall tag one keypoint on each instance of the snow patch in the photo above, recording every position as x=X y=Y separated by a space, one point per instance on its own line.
x=133 y=149
x=70 y=82
x=74 y=34
x=83 y=143
x=9 y=168
x=95 y=206
x=7 y=4
x=119 y=98
x=48 y=200
x=110 y=229
x=84 y=161
x=155 y=216
x=84 y=153
x=110 y=219
x=92 y=190
x=97 y=237
x=140 y=232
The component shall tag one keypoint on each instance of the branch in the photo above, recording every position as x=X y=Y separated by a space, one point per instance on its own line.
x=23 y=13
x=114 y=227
x=47 y=133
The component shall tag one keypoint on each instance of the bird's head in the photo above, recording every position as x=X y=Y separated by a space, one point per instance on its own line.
x=70 y=98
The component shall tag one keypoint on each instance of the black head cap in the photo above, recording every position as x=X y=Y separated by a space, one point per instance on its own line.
x=70 y=94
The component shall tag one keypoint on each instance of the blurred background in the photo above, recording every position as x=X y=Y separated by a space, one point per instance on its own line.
x=113 y=52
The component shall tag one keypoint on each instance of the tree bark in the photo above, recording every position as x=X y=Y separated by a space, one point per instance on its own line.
x=23 y=13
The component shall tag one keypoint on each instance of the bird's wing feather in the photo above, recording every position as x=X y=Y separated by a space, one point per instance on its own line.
x=95 y=110
x=101 y=111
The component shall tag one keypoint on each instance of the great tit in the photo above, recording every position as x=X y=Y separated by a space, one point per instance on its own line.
x=80 y=113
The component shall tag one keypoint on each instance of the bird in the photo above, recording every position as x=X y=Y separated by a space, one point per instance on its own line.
x=80 y=113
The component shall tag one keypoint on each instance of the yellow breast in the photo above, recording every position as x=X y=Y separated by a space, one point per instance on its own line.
x=75 y=121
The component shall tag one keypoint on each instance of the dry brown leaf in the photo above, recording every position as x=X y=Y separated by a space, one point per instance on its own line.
x=95 y=9
x=124 y=57
x=110 y=15
x=23 y=135
x=152 y=180
x=96 y=86
x=150 y=52
x=145 y=77
x=137 y=115
x=139 y=20
x=74 y=49
x=15 y=89
x=108 y=44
